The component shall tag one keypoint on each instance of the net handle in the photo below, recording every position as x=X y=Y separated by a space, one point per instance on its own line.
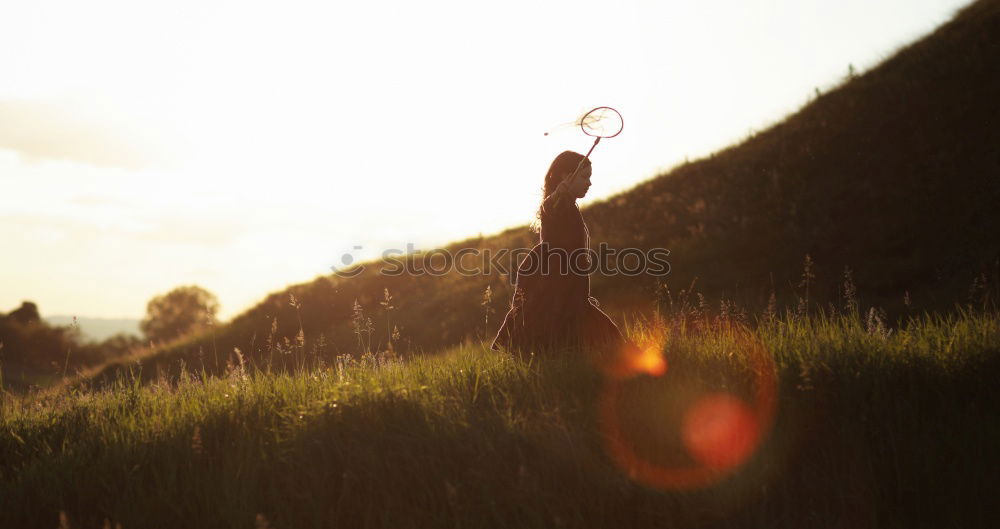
x=597 y=139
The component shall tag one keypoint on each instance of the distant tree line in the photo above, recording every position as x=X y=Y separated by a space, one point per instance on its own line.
x=34 y=352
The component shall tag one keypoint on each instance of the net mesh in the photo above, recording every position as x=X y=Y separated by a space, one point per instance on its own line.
x=602 y=122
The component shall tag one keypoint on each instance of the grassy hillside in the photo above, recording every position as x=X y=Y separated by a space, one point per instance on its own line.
x=894 y=175
x=873 y=429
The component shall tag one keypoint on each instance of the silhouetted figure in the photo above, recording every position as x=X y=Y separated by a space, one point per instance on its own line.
x=549 y=308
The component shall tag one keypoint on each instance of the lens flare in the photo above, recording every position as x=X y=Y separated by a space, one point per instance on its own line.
x=644 y=358
x=720 y=431
x=699 y=435
x=651 y=362
x=630 y=362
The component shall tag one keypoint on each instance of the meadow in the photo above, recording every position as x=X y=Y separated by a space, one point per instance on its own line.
x=875 y=424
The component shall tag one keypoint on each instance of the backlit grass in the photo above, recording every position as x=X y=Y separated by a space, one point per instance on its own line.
x=873 y=428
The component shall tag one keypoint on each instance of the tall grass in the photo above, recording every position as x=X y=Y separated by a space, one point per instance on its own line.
x=873 y=428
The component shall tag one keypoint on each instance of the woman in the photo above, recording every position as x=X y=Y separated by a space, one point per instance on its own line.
x=551 y=308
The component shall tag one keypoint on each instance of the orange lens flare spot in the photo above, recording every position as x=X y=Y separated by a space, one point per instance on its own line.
x=650 y=361
x=633 y=362
x=720 y=431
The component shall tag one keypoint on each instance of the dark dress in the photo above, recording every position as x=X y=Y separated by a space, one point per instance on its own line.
x=552 y=309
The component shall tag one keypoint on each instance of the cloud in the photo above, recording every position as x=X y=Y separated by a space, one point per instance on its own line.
x=80 y=132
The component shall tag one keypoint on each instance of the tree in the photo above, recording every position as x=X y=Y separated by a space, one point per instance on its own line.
x=181 y=311
x=26 y=314
x=28 y=343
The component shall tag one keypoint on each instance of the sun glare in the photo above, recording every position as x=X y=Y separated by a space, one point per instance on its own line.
x=306 y=124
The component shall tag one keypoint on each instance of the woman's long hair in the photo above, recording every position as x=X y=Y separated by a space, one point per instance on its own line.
x=561 y=168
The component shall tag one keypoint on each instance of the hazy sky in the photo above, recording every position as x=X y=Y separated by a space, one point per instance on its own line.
x=243 y=146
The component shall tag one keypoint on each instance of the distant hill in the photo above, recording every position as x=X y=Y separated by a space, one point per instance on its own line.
x=98 y=329
x=895 y=174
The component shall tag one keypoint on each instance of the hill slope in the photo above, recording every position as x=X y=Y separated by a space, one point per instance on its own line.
x=893 y=174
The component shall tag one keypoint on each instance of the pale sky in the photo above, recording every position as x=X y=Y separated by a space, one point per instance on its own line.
x=245 y=146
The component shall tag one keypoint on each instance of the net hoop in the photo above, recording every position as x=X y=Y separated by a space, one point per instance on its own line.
x=608 y=116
